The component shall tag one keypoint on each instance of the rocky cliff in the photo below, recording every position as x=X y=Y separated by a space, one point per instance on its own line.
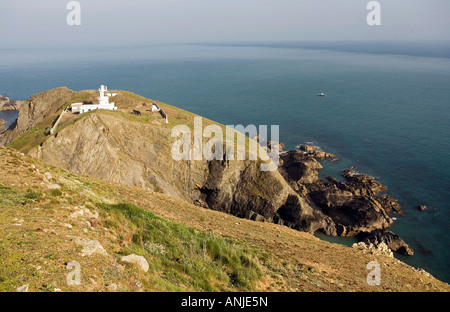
x=135 y=149
x=355 y=206
x=111 y=147
x=35 y=110
x=2 y=125
x=7 y=104
x=127 y=238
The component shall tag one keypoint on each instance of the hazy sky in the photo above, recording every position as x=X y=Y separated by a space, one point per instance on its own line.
x=25 y=22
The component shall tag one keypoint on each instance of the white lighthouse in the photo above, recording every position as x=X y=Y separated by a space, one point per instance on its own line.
x=103 y=100
x=103 y=103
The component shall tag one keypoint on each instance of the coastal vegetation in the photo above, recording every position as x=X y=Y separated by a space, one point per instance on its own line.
x=103 y=189
x=187 y=247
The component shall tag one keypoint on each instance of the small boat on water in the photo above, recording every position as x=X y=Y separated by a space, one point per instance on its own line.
x=321 y=94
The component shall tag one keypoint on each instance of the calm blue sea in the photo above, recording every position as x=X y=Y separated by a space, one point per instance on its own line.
x=9 y=116
x=387 y=108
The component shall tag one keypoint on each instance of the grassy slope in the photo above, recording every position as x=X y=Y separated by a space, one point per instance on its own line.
x=187 y=247
x=37 y=224
x=39 y=133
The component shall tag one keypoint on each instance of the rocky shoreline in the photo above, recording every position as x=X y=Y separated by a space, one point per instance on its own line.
x=355 y=206
x=6 y=104
x=293 y=195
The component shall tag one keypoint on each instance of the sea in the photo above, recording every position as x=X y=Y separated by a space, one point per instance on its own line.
x=386 y=110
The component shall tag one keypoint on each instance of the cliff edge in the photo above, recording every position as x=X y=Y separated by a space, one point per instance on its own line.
x=132 y=146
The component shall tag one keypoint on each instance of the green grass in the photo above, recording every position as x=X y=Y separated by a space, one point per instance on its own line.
x=181 y=257
x=33 y=195
x=38 y=134
x=14 y=197
x=9 y=196
x=84 y=95
x=56 y=192
x=144 y=118
x=32 y=137
x=72 y=121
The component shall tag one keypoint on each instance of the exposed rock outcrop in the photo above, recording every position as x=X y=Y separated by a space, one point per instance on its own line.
x=362 y=184
x=90 y=247
x=390 y=204
x=8 y=105
x=352 y=205
x=136 y=153
x=422 y=207
x=111 y=147
x=300 y=168
x=278 y=145
x=39 y=107
x=139 y=261
x=352 y=213
x=393 y=241
x=315 y=152
x=380 y=249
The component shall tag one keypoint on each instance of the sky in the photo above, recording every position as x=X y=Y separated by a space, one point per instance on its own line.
x=126 y=22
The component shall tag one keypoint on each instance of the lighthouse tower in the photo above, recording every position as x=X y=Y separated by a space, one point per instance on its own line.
x=102 y=99
x=103 y=103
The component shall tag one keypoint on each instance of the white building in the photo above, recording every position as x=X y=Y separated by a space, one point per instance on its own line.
x=103 y=103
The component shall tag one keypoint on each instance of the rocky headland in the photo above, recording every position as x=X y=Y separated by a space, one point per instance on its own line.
x=355 y=205
x=127 y=238
x=136 y=150
x=38 y=108
x=7 y=104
